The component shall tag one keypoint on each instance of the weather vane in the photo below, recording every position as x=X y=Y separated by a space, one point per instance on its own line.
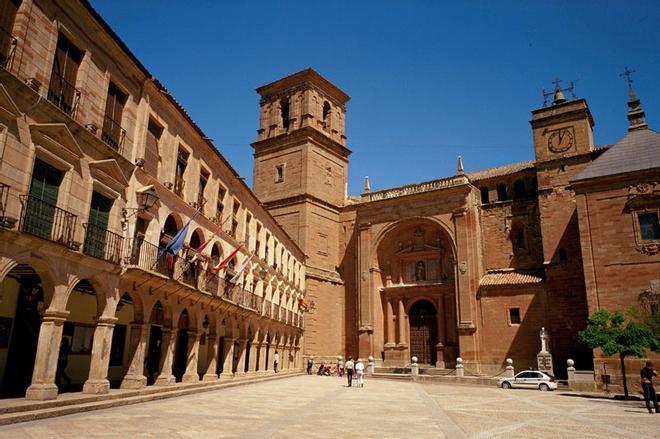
x=628 y=74
x=558 y=91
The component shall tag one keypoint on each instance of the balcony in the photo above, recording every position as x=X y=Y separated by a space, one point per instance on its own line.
x=64 y=95
x=102 y=243
x=47 y=221
x=113 y=134
x=144 y=255
x=268 y=308
x=7 y=48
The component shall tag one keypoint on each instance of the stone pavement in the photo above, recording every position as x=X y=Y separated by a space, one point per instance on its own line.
x=305 y=406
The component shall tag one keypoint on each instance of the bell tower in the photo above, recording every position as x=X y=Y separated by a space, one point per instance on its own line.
x=300 y=175
x=562 y=129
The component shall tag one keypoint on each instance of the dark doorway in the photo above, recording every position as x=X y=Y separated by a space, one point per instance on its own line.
x=181 y=357
x=220 y=365
x=24 y=330
x=152 y=361
x=423 y=332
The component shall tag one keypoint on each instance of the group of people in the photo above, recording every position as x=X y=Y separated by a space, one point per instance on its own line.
x=351 y=368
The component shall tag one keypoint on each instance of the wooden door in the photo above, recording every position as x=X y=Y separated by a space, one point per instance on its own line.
x=423 y=333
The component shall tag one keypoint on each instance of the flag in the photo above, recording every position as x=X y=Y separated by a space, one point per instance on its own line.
x=243 y=267
x=176 y=243
x=226 y=260
x=201 y=248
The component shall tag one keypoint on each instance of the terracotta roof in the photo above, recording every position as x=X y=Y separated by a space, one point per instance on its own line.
x=511 y=277
x=637 y=151
x=501 y=170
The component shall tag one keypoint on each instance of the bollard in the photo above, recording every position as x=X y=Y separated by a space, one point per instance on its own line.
x=460 y=371
x=414 y=367
x=371 y=365
x=509 y=372
x=570 y=370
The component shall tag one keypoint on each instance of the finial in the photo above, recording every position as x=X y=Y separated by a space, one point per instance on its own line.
x=367 y=186
x=636 y=115
x=460 y=169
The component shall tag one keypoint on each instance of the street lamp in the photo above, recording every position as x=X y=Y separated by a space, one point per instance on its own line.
x=146 y=198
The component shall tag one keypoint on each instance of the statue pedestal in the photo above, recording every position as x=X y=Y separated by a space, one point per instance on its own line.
x=544 y=362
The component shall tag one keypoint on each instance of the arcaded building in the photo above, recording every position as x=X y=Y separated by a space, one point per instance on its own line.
x=101 y=172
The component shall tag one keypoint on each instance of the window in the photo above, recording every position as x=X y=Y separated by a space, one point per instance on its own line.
x=326 y=113
x=113 y=134
x=649 y=227
x=284 y=111
x=501 y=192
x=203 y=180
x=518 y=238
x=257 y=244
x=514 y=316
x=519 y=189
x=234 y=220
x=221 y=204
x=151 y=154
x=7 y=17
x=62 y=90
x=279 y=173
x=181 y=164
x=97 y=225
x=248 y=223
x=485 y=198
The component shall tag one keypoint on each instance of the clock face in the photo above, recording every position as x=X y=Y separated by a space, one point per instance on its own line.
x=560 y=140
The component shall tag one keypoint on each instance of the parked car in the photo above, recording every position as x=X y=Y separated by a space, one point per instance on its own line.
x=530 y=379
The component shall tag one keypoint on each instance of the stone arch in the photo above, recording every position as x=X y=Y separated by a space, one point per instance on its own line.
x=136 y=302
x=383 y=233
x=39 y=266
x=216 y=253
x=196 y=238
x=171 y=226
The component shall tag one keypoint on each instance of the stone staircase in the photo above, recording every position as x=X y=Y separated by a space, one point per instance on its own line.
x=21 y=410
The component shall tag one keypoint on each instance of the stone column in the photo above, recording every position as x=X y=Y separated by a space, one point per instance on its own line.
x=211 y=358
x=97 y=381
x=240 y=367
x=165 y=378
x=440 y=347
x=134 y=378
x=45 y=364
x=389 y=322
x=191 y=375
x=263 y=362
x=402 y=324
x=261 y=349
x=228 y=359
x=254 y=358
x=365 y=293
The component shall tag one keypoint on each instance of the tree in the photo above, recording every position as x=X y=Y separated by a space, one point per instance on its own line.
x=610 y=332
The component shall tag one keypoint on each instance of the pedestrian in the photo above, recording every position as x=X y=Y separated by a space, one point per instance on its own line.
x=349 y=365
x=62 y=361
x=340 y=366
x=647 y=373
x=359 y=371
x=310 y=365
x=276 y=361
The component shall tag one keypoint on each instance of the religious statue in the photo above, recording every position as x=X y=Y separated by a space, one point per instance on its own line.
x=420 y=271
x=544 y=339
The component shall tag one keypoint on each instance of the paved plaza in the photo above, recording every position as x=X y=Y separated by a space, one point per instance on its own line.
x=311 y=406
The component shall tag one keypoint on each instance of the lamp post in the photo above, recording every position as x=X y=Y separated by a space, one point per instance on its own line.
x=145 y=200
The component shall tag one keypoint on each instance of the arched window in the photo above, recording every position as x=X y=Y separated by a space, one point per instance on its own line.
x=484 y=195
x=284 y=110
x=519 y=189
x=501 y=192
x=326 y=112
x=518 y=238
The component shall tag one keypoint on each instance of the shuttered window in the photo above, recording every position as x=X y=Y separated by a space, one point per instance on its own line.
x=40 y=209
x=151 y=154
x=61 y=90
x=97 y=225
x=114 y=107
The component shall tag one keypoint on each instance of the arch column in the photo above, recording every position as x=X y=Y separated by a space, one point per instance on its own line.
x=166 y=378
x=43 y=385
x=240 y=367
x=402 y=324
x=440 y=347
x=191 y=375
x=252 y=367
x=263 y=366
x=389 y=323
x=134 y=378
x=228 y=359
x=97 y=382
x=212 y=358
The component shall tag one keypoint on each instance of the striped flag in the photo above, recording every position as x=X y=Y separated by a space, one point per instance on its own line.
x=226 y=260
x=242 y=269
x=200 y=249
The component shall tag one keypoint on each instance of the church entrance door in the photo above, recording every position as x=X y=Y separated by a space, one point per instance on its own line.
x=423 y=332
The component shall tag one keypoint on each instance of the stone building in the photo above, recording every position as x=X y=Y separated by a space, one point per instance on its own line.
x=100 y=170
x=470 y=265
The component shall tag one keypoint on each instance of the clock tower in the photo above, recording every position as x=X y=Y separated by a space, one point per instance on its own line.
x=563 y=129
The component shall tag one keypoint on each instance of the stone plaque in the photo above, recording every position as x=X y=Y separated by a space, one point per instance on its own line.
x=544 y=362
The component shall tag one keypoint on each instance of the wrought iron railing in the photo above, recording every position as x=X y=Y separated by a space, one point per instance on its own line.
x=113 y=134
x=185 y=271
x=102 y=243
x=209 y=282
x=268 y=308
x=289 y=317
x=142 y=254
x=64 y=94
x=47 y=221
x=8 y=44
x=276 y=312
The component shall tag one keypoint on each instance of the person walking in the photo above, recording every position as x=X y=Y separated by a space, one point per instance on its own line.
x=647 y=373
x=349 y=365
x=310 y=365
x=359 y=371
x=276 y=361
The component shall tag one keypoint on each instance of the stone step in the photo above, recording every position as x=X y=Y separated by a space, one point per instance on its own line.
x=65 y=404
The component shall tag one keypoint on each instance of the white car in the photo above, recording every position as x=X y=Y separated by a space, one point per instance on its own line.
x=530 y=379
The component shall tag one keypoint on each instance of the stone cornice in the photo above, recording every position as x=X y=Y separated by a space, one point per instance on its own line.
x=300 y=136
x=323 y=275
x=412 y=189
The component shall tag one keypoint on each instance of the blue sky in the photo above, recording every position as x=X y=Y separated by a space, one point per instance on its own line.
x=429 y=80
